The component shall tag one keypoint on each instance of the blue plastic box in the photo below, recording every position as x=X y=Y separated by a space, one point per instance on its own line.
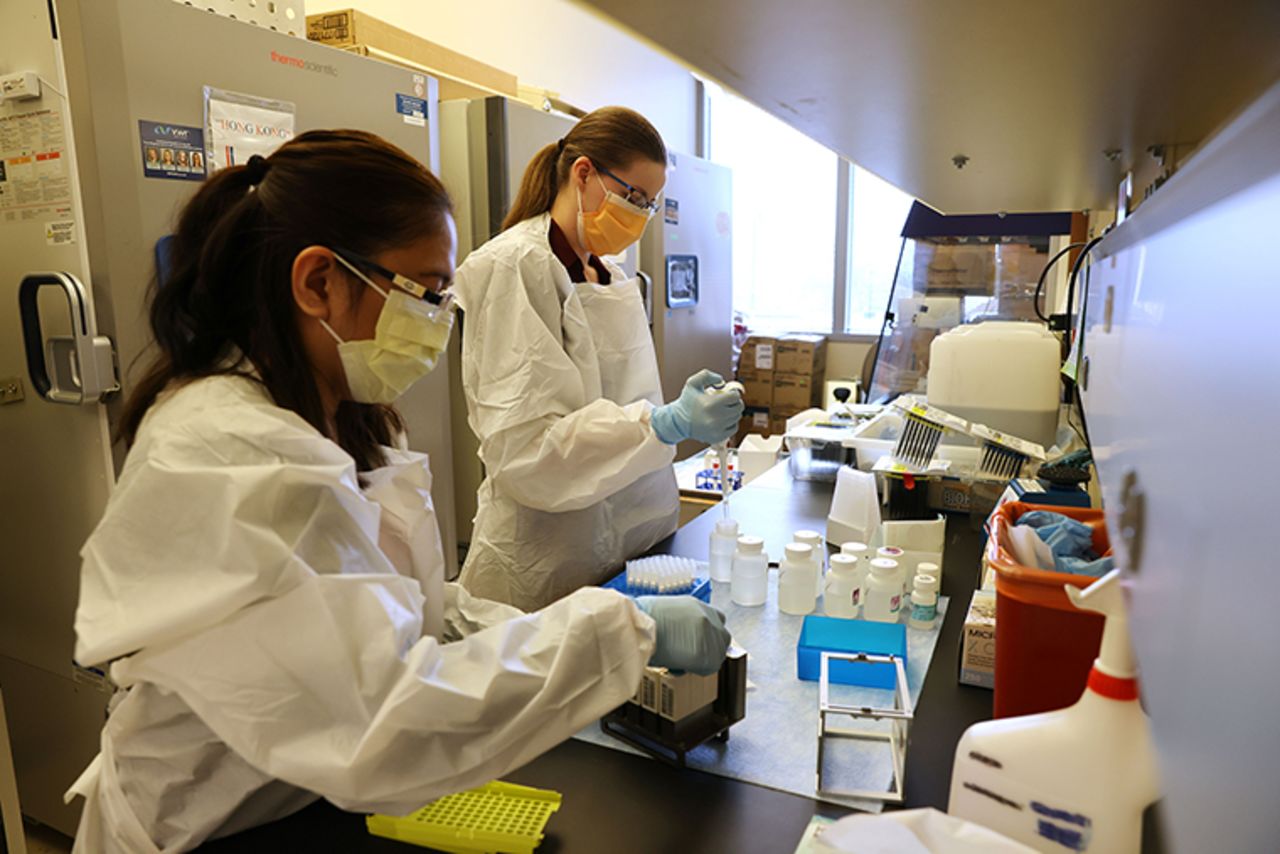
x=701 y=588
x=834 y=634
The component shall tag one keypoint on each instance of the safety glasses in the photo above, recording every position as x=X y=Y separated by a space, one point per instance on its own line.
x=359 y=263
x=635 y=195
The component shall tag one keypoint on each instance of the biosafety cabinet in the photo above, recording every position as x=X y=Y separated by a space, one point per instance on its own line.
x=119 y=110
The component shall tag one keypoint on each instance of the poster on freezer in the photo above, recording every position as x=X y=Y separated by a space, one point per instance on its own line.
x=171 y=151
x=238 y=126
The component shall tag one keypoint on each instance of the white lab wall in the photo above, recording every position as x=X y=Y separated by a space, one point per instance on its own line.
x=554 y=45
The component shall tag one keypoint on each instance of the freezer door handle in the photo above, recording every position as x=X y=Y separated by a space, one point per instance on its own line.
x=83 y=364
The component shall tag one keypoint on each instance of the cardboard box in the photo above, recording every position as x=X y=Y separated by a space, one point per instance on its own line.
x=794 y=393
x=777 y=425
x=754 y=421
x=758 y=354
x=801 y=354
x=757 y=388
x=681 y=695
x=460 y=76
x=978 y=641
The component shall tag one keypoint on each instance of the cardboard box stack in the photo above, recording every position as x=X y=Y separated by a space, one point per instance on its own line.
x=781 y=376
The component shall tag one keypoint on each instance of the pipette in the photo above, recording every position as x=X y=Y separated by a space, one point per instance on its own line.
x=722 y=450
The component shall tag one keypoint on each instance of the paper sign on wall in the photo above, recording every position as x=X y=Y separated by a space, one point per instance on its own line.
x=238 y=126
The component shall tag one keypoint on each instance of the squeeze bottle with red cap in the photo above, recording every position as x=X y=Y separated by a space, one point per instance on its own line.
x=1077 y=779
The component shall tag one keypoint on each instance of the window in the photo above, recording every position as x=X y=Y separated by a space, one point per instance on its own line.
x=784 y=206
x=877 y=210
x=786 y=229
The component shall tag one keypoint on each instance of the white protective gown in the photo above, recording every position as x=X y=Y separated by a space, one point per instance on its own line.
x=272 y=623
x=560 y=380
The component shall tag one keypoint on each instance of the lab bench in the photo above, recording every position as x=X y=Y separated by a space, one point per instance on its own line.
x=621 y=803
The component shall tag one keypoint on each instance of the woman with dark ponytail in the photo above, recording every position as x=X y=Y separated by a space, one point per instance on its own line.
x=266 y=585
x=561 y=376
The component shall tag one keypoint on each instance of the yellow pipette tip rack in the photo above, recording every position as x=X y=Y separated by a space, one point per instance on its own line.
x=496 y=818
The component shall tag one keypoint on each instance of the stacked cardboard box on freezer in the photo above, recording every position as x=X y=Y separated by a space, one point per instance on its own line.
x=799 y=364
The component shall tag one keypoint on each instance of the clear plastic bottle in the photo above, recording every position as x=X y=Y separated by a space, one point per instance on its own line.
x=750 y=580
x=843 y=591
x=795 y=580
x=818 y=544
x=883 y=602
x=924 y=604
x=724 y=542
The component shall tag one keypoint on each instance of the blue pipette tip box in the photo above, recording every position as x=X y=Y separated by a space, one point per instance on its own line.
x=834 y=634
x=701 y=588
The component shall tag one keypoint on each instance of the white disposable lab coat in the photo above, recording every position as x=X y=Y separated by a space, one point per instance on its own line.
x=266 y=616
x=560 y=380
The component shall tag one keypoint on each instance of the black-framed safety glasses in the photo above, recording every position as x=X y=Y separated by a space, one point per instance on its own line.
x=635 y=195
x=360 y=264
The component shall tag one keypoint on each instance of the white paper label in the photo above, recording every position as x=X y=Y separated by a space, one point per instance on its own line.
x=764 y=357
x=59 y=233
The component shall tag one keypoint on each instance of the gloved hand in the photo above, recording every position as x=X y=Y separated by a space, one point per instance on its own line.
x=691 y=634
x=709 y=417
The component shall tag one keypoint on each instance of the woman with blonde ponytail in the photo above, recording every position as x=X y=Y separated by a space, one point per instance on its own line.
x=561 y=376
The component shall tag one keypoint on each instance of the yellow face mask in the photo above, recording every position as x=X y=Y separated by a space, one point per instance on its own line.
x=614 y=227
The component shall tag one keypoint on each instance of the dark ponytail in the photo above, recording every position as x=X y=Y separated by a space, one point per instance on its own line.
x=228 y=289
x=613 y=137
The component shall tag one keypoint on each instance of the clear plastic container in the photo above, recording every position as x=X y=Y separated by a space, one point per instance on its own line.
x=843 y=592
x=883 y=603
x=795 y=580
x=818 y=544
x=724 y=542
x=750 y=579
x=895 y=554
x=924 y=604
x=864 y=555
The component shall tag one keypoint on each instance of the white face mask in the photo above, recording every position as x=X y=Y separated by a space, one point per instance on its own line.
x=410 y=336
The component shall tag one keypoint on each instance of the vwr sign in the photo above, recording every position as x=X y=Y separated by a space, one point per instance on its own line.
x=304 y=64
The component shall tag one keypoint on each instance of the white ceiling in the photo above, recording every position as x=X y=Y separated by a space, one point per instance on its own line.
x=1032 y=91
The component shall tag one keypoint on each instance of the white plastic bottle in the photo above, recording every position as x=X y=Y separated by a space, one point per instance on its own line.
x=818 y=543
x=924 y=604
x=724 y=542
x=883 y=601
x=927 y=568
x=863 y=554
x=750 y=579
x=896 y=555
x=795 y=580
x=843 y=592
x=1080 y=777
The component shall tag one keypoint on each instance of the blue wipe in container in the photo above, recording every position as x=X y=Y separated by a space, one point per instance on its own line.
x=834 y=634
x=701 y=589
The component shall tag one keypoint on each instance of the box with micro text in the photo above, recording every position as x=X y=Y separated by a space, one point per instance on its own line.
x=801 y=354
x=757 y=388
x=794 y=393
x=758 y=354
x=978 y=641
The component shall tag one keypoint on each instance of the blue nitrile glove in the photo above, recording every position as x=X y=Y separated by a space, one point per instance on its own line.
x=1064 y=536
x=707 y=416
x=691 y=634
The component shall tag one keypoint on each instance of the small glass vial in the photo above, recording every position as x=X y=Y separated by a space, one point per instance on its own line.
x=883 y=602
x=818 y=543
x=724 y=542
x=795 y=580
x=924 y=604
x=843 y=592
x=749 y=585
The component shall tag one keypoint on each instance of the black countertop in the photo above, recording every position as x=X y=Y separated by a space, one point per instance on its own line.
x=621 y=803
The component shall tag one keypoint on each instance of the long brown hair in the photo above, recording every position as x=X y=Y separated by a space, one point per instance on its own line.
x=613 y=137
x=228 y=286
